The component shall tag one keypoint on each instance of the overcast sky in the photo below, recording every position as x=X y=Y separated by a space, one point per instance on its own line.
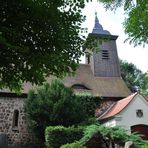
x=112 y=21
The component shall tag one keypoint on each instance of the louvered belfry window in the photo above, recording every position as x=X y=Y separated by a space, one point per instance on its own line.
x=105 y=54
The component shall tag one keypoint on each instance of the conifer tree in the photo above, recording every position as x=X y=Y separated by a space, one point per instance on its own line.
x=53 y=104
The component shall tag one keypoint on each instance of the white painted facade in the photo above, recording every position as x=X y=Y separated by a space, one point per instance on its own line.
x=128 y=117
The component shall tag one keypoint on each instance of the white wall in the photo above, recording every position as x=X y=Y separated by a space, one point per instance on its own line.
x=127 y=117
x=110 y=123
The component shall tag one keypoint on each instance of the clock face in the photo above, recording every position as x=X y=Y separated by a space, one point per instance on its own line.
x=139 y=113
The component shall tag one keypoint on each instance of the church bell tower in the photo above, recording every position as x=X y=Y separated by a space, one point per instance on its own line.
x=105 y=62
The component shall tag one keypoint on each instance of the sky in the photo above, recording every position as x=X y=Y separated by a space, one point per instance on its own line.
x=112 y=21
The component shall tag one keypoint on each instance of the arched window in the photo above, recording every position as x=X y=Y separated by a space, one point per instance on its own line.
x=15 y=118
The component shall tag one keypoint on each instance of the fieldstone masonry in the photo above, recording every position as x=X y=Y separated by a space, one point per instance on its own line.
x=15 y=129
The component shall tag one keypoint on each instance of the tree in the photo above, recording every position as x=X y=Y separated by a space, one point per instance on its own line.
x=135 y=79
x=110 y=136
x=38 y=38
x=53 y=104
x=144 y=84
x=135 y=24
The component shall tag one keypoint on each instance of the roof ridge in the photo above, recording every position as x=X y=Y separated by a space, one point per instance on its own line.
x=132 y=95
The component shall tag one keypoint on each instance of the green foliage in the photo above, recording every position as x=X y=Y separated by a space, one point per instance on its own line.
x=135 y=79
x=135 y=24
x=38 y=38
x=89 y=132
x=53 y=104
x=76 y=144
x=138 y=142
x=56 y=136
x=89 y=103
x=143 y=83
x=114 y=134
x=145 y=145
x=89 y=121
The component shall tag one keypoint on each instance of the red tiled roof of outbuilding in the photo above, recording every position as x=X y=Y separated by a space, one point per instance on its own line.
x=117 y=107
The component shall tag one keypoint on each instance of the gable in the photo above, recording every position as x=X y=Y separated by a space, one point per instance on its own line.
x=137 y=104
x=134 y=113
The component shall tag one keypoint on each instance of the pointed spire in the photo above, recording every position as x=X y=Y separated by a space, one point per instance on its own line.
x=98 y=29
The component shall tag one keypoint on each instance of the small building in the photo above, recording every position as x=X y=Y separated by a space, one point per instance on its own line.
x=130 y=113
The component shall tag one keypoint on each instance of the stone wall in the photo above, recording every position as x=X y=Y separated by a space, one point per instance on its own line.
x=13 y=121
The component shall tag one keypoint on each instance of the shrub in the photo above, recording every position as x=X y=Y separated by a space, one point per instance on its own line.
x=89 y=103
x=116 y=135
x=58 y=135
x=53 y=104
x=76 y=144
x=145 y=145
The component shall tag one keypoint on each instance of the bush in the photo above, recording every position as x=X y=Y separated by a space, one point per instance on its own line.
x=145 y=145
x=89 y=103
x=76 y=144
x=53 y=104
x=116 y=135
x=56 y=136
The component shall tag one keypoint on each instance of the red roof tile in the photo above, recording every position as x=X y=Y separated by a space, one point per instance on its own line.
x=118 y=107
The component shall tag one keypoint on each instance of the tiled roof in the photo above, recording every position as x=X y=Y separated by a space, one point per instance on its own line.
x=117 y=107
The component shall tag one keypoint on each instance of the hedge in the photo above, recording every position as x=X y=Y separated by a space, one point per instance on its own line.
x=76 y=144
x=90 y=103
x=57 y=136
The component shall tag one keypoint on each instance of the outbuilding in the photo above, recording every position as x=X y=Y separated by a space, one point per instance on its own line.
x=130 y=113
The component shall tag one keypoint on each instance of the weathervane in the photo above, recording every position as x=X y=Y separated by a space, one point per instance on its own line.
x=95 y=13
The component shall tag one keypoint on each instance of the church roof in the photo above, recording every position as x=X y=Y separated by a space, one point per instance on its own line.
x=98 y=86
x=98 y=29
x=117 y=107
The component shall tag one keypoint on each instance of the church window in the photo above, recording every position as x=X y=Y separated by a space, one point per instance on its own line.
x=105 y=54
x=139 y=113
x=15 y=118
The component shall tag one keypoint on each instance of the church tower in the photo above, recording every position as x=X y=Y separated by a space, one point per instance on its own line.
x=105 y=62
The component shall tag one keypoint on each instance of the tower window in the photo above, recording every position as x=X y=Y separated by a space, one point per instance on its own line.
x=15 y=118
x=105 y=54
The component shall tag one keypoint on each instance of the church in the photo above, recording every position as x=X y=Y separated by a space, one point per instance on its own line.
x=99 y=76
